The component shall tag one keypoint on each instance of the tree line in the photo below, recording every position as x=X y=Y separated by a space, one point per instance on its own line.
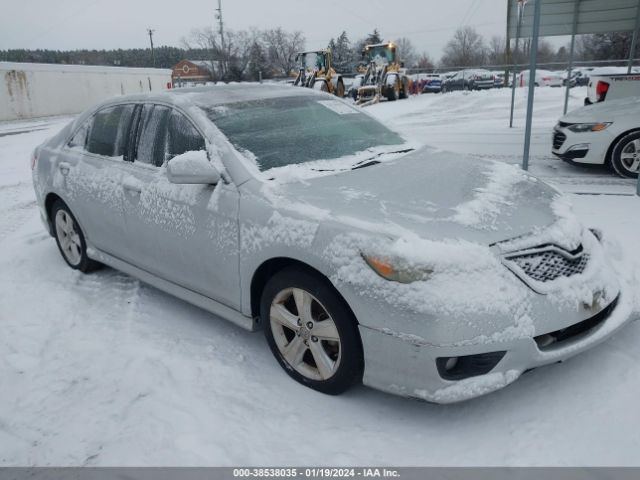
x=468 y=48
x=253 y=54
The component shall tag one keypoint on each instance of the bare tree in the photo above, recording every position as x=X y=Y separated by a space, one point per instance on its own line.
x=466 y=48
x=604 y=46
x=282 y=48
x=407 y=52
x=425 y=62
x=497 y=51
x=207 y=39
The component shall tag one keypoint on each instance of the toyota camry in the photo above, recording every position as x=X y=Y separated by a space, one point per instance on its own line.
x=362 y=257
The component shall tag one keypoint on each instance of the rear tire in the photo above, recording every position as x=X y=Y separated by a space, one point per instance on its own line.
x=320 y=346
x=70 y=239
x=625 y=157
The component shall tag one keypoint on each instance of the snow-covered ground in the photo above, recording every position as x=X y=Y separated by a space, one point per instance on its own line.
x=101 y=369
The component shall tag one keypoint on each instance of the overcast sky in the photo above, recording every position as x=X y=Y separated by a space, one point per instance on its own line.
x=74 y=24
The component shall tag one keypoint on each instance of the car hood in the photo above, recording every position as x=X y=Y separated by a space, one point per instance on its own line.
x=437 y=195
x=605 y=111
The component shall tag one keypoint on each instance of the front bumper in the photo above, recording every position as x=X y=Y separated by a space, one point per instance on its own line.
x=406 y=365
x=588 y=148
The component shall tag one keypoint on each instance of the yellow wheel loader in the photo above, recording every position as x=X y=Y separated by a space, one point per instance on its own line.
x=316 y=71
x=384 y=75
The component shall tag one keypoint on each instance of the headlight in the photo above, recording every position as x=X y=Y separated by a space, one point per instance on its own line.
x=396 y=270
x=588 y=127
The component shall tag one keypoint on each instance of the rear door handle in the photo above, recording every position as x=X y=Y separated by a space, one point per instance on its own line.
x=64 y=167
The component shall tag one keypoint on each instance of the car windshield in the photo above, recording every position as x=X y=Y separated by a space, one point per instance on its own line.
x=292 y=130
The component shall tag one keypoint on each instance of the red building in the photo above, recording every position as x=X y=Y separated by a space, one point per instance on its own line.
x=191 y=71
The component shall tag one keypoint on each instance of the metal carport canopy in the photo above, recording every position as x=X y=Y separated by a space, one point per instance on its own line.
x=594 y=16
x=567 y=17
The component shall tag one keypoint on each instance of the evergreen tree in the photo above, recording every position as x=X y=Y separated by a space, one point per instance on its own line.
x=343 y=55
x=258 y=62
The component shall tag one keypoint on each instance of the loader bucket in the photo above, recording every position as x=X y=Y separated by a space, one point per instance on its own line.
x=368 y=95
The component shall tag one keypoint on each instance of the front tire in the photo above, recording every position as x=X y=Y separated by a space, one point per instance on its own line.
x=625 y=157
x=311 y=331
x=70 y=239
x=339 y=91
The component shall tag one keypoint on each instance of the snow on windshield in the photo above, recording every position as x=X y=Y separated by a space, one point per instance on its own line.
x=292 y=130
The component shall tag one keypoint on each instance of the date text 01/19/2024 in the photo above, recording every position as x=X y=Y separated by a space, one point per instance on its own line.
x=316 y=472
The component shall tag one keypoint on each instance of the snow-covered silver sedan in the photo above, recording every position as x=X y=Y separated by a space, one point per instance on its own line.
x=362 y=257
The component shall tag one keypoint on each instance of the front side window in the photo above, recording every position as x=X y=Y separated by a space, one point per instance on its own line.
x=183 y=136
x=109 y=132
x=152 y=135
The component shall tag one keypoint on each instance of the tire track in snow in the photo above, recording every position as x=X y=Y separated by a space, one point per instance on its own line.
x=114 y=294
x=16 y=208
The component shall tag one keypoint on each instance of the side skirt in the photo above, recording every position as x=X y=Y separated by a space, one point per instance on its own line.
x=187 y=295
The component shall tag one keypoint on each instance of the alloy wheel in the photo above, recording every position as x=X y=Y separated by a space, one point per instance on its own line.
x=630 y=156
x=68 y=237
x=305 y=334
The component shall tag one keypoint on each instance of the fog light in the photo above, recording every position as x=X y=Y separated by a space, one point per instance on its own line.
x=459 y=368
x=580 y=146
x=450 y=363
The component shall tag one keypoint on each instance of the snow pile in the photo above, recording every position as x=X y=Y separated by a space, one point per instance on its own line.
x=597 y=284
x=470 y=387
x=566 y=231
x=501 y=188
x=460 y=276
x=189 y=162
x=280 y=230
x=302 y=171
x=277 y=200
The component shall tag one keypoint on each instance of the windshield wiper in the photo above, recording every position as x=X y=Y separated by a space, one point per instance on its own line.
x=371 y=160
x=367 y=164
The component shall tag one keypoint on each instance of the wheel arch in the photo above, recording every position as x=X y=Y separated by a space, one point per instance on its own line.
x=274 y=265
x=608 y=156
x=49 y=201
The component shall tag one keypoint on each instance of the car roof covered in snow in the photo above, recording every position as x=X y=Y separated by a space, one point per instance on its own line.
x=219 y=94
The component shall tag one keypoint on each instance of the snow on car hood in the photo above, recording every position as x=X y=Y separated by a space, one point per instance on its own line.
x=605 y=111
x=436 y=195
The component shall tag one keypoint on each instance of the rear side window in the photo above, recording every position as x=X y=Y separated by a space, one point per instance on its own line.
x=110 y=131
x=152 y=136
x=183 y=136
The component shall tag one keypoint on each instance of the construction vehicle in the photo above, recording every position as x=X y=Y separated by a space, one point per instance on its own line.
x=384 y=75
x=316 y=71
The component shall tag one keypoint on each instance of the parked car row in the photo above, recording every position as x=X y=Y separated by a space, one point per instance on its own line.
x=476 y=79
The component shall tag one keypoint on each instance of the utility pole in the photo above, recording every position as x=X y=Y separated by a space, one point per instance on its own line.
x=153 y=53
x=221 y=31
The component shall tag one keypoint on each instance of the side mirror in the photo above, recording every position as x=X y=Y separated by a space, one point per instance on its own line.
x=192 y=168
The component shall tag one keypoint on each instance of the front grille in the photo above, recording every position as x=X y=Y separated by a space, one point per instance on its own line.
x=550 y=264
x=558 y=139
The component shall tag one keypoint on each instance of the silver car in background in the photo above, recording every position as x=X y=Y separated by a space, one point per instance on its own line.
x=363 y=258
